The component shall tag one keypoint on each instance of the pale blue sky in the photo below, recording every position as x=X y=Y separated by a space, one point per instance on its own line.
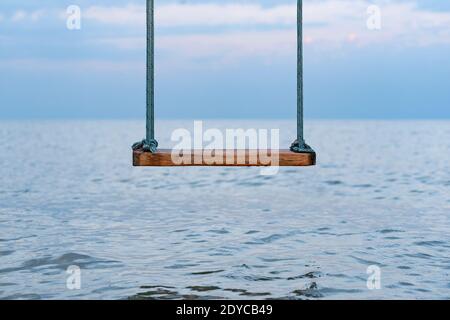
x=225 y=59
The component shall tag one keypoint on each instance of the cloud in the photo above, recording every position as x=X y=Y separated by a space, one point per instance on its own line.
x=206 y=15
x=234 y=31
x=37 y=15
x=234 y=45
x=130 y=15
x=123 y=43
x=81 y=66
x=212 y=50
x=225 y=15
x=21 y=15
x=328 y=21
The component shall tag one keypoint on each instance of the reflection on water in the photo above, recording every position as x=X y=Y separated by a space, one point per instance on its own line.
x=379 y=196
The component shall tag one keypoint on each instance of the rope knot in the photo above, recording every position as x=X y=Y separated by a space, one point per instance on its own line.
x=147 y=146
x=301 y=147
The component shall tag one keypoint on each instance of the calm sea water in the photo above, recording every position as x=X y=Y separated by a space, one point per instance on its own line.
x=380 y=195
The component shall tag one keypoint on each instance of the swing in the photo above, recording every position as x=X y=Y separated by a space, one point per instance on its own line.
x=145 y=153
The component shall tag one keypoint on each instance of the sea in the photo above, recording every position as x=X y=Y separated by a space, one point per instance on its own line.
x=370 y=221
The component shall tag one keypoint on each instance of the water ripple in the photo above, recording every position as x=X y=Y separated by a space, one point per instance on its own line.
x=209 y=233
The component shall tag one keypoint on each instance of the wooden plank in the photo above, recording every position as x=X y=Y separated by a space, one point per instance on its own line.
x=227 y=158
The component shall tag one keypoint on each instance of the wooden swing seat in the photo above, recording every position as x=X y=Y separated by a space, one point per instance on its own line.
x=230 y=158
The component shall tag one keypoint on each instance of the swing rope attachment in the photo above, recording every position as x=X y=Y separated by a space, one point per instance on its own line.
x=301 y=147
x=147 y=146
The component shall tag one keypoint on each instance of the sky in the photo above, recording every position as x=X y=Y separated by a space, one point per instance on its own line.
x=226 y=59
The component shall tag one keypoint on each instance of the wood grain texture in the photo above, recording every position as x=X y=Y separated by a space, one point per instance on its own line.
x=224 y=158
